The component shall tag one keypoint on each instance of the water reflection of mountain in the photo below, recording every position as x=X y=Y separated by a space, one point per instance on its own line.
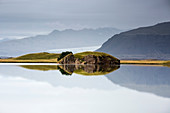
x=154 y=80
x=88 y=70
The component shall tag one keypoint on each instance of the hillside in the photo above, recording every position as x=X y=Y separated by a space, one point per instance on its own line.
x=143 y=43
x=35 y=56
x=56 y=40
x=43 y=57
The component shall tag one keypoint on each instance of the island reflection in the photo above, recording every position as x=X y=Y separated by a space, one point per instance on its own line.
x=87 y=70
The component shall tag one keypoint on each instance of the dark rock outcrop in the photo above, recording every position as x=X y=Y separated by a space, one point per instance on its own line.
x=89 y=59
x=92 y=59
x=77 y=61
x=69 y=59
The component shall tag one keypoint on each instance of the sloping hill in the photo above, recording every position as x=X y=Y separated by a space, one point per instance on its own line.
x=36 y=56
x=56 y=40
x=143 y=43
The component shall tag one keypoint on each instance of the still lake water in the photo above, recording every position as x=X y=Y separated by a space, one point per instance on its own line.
x=43 y=89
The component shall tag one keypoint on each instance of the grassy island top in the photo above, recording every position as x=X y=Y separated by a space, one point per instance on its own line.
x=34 y=56
x=83 y=54
x=45 y=57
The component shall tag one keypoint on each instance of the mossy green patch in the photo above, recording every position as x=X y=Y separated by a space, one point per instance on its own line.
x=37 y=56
x=83 y=54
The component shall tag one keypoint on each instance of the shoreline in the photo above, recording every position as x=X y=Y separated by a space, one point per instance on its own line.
x=159 y=62
x=2 y=64
x=28 y=61
x=53 y=61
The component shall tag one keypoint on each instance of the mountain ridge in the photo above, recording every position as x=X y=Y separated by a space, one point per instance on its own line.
x=56 y=40
x=151 y=42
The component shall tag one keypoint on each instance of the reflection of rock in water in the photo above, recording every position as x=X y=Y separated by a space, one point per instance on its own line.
x=78 y=69
x=66 y=69
x=154 y=80
x=89 y=69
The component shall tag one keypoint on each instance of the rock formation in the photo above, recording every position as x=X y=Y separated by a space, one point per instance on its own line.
x=69 y=59
x=89 y=59
x=92 y=59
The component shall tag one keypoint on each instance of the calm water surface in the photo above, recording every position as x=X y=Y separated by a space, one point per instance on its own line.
x=43 y=89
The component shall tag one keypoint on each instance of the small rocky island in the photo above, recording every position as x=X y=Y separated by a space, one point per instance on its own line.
x=88 y=58
x=85 y=63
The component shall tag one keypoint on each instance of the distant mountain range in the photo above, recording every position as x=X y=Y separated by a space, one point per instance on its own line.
x=57 y=40
x=143 y=43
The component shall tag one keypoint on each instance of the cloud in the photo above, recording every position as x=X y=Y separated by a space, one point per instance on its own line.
x=43 y=14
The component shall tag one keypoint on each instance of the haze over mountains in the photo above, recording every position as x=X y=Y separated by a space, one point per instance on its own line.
x=143 y=43
x=151 y=42
x=4 y=39
x=57 y=40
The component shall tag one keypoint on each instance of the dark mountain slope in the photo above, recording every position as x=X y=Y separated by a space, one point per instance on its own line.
x=142 y=43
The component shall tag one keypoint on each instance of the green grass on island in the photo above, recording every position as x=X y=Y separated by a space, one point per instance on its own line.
x=83 y=54
x=43 y=57
x=37 y=56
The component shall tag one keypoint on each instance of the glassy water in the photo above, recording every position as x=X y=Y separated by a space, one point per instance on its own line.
x=84 y=89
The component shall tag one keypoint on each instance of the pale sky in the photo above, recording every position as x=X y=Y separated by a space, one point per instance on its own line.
x=29 y=17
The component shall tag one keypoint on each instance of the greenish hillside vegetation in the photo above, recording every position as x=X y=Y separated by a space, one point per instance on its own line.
x=37 y=56
x=83 y=54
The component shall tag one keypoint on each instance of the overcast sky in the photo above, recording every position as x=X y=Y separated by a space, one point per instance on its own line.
x=29 y=17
